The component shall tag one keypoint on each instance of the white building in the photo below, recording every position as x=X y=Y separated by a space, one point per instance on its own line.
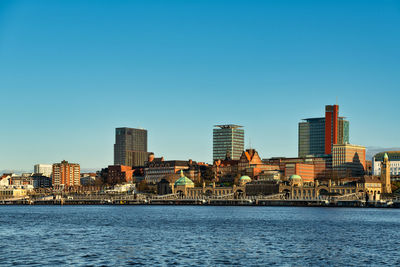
x=44 y=169
x=394 y=159
x=4 y=180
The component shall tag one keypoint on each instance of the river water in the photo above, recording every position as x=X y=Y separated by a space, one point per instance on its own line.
x=198 y=235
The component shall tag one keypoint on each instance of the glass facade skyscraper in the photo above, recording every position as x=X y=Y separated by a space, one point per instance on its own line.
x=228 y=141
x=130 y=148
x=318 y=135
x=312 y=137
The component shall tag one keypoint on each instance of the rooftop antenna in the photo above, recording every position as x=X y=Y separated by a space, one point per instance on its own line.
x=249 y=143
x=336 y=100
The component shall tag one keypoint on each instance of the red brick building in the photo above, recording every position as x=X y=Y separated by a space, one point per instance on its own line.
x=251 y=164
x=66 y=174
x=118 y=174
x=322 y=165
x=306 y=171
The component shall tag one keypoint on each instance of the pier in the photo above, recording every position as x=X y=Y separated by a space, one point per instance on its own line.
x=175 y=199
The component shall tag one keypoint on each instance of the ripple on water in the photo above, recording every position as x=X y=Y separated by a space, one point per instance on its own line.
x=193 y=236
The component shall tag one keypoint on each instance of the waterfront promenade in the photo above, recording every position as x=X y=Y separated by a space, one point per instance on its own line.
x=173 y=199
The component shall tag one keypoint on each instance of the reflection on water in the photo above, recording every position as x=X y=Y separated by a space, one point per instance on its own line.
x=198 y=235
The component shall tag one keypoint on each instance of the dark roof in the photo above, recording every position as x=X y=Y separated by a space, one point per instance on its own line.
x=370 y=179
x=393 y=155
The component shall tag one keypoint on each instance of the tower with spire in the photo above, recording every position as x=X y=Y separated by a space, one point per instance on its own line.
x=385 y=175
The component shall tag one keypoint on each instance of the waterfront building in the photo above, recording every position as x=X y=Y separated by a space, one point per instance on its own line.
x=24 y=179
x=251 y=164
x=44 y=169
x=394 y=158
x=348 y=160
x=262 y=187
x=158 y=168
x=228 y=142
x=66 y=174
x=10 y=192
x=88 y=179
x=322 y=165
x=182 y=185
x=305 y=170
x=130 y=148
x=225 y=170
x=318 y=135
x=185 y=187
x=369 y=188
x=41 y=181
x=373 y=187
x=118 y=174
x=5 y=180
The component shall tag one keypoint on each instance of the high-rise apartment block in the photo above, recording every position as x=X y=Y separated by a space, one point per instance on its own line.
x=66 y=174
x=44 y=169
x=228 y=141
x=318 y=135
x=130 y=148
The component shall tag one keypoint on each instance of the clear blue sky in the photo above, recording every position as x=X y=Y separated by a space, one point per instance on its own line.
x=71 y=71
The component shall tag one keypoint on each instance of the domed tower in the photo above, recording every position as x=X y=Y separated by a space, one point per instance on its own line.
x=244 y=180
x=296 y=180
x=182 y=184
x=385 y=175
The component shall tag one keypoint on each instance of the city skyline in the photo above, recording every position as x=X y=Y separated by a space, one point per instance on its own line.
x=263 y=65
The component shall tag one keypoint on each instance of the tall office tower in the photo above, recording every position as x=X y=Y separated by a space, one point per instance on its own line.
x=130 y=148
x=331 y=127
x=44 y=169
x=318 y=135
x=66 y=174
x=228 y=141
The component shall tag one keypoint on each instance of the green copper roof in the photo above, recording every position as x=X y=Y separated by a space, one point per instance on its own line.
x=295 y=177
x=245 y=177
x=183 y=180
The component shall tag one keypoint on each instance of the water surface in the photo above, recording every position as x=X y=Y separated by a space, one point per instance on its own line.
x=198 y=235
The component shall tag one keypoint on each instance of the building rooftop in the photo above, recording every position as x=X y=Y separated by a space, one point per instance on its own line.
x=184 y=181
x=295 y=177
x=320 y=118
x=228 y=126
x=392 y=155
x=370 y=179
x=245 y=178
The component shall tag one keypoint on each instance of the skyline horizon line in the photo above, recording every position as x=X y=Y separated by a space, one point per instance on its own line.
x=248 y=145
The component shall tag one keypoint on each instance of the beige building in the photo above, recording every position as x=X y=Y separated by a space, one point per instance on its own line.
x=186 y=188
x=348 y=160
x=369 y=188
x=9 y=193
